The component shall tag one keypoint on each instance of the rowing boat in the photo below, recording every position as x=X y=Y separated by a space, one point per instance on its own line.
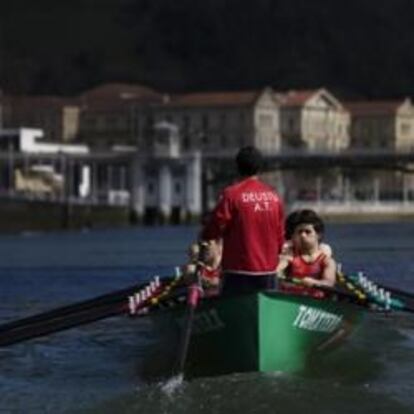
x=256 y=331
x=259 y=331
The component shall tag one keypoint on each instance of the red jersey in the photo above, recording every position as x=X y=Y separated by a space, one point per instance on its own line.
x=249 y=218
x=299 y=269
x=210 y=273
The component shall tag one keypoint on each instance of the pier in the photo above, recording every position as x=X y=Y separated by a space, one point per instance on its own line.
x=163 y=185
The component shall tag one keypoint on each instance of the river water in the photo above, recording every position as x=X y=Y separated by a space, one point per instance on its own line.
x=96 y=368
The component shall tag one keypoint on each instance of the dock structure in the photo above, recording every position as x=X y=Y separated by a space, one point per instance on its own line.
x=158 y=185
x=162 y=184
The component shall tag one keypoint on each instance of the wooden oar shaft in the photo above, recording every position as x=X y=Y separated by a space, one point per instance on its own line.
x=105 y=299
x=194 y=292
x=186 y=339
x=331 y=291
x=61 y=323
x=75 y=315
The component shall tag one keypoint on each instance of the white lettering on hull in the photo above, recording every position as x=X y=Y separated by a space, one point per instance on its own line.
x=316 y=320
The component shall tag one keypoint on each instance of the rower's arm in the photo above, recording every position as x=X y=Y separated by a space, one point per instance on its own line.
x=328 y=277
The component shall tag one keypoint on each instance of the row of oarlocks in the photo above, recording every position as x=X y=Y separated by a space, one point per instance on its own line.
x=156 y=293
x=375 y=293
x=164 y=293
x=370 y=293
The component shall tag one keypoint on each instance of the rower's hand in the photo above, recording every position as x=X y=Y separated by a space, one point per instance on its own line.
x=309 y=282
x=210 y=282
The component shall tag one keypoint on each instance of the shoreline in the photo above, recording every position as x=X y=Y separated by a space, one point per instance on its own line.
x=18 y=216
x=360 y=211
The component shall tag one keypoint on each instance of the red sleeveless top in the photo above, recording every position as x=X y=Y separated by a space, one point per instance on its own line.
x=210 y=273
x=299 y=269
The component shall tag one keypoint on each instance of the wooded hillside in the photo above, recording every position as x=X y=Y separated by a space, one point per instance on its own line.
x=355 y=48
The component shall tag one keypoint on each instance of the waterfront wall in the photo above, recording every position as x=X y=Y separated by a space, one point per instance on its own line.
x=36 y=215
x=20 y=215
x=23 y=215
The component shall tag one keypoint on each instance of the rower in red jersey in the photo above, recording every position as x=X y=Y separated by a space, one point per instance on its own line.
x=207 y=263
x=307 y=260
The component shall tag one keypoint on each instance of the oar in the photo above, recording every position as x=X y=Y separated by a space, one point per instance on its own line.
x=60 y=323
x=81 y=313
x=193 y=297
x=398 y=293
x=335 y=292
x=360 y=279
x=106 y=299
x=380 y=295
x=355 y=294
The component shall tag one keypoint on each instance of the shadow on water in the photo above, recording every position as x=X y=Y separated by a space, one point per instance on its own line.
x=95 y=369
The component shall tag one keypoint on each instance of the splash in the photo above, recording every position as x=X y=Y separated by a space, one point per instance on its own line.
x=172 y=385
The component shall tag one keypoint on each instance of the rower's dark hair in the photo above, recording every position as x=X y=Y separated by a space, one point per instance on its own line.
x=249 y=161
x=305 y=216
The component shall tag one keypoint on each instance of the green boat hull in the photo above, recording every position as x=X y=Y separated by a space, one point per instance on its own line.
x=261 y=331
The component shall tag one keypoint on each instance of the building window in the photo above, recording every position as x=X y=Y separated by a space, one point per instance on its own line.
x=186 y=141
x=186 y=123
x=149 y=121
x=177 y=188
x=112 y=122
x=150 y=188
x=204 y=121
x=90 y=123
x=265 y=120
x=133 y=123
x=291 y=124
x=405 y=128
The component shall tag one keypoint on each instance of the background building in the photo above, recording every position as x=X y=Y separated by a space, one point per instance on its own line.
x=116 y=114
x=57 y=117
x=382 y=125
x=224 y=121
x=314 y=120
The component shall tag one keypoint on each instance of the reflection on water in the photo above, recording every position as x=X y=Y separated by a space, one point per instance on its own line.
x=96 y=368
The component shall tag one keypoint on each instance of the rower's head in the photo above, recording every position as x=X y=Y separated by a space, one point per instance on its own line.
x=193 y=252
x=249 y=161
x=305 y=216
x=305 y=228
x=212 y=253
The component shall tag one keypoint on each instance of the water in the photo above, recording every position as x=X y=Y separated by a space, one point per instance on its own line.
x=96 y=368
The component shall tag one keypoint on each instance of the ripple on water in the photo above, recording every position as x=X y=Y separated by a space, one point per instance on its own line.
x=95 y=369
